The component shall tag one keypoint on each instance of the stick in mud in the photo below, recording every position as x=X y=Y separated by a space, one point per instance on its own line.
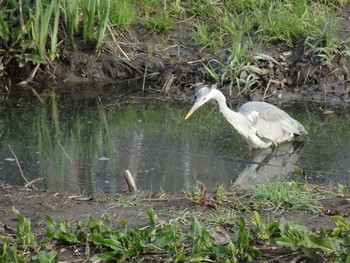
x=130 y=181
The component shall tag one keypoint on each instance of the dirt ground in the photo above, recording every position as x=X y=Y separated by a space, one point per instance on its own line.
x=35 y=204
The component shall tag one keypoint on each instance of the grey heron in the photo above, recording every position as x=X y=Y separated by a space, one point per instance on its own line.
x=259 y=123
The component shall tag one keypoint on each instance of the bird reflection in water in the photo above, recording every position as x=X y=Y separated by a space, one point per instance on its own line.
x=268 y=163
x=264 y=127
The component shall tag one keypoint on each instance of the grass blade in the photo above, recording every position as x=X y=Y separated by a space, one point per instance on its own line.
x=53 y=50
x=105 y=7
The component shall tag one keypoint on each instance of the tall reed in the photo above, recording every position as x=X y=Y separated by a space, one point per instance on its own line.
x=70 y=9
x=89 y=11
x=40 y=27
x=104 y=8
x=54 y=31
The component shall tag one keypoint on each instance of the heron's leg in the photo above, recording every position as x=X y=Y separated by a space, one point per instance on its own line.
x=275 y=144
x=274 y=147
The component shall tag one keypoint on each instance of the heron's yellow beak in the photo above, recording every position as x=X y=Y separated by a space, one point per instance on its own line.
x=189 y=114
x=194 y=108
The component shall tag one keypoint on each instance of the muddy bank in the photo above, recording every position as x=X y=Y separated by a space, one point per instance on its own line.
x=295 y=75
x=174 y=64
x=35 y=204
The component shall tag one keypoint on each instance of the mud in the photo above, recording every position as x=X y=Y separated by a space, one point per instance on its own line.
x=35 y=204
x=172 y=64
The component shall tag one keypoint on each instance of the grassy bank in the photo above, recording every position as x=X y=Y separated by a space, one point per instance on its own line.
x=45 y=28
x=224 y=226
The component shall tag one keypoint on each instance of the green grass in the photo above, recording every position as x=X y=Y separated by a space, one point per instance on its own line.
x=279 y=195
x=70 y=13
x=224 y=28
x=123 y=14
x=103 y=14
x=160 y=23
x=275 y=20
x=206 y=36
x=288 y=22
x=183 y=238
x=273 y=195
x=89 y=10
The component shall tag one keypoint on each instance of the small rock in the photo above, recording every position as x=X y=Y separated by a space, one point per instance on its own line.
x=220 y=236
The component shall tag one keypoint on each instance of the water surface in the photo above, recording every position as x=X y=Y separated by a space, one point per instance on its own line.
x=85 y=148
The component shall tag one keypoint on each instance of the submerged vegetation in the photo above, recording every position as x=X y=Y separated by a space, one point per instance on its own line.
x=233 y=31
x=80 y=143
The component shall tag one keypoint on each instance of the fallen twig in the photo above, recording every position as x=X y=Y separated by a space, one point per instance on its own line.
x=116 y=43
x=64 y=151
x=79 y=198
x=21 y=171
x=31 y=77
x=144 y=80
x=130 y=181
x=32 y=182
x=167 y=84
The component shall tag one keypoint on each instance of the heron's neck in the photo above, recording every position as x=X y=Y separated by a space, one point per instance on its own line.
x=237 y=120
x=221 y=100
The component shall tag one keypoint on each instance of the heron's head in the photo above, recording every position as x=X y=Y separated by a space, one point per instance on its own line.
x=203 y=95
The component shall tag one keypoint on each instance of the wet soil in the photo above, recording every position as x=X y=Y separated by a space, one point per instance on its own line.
x=35 y=204
x=171 y=64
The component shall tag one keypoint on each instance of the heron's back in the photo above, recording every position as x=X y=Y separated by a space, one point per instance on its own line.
x=271 y=122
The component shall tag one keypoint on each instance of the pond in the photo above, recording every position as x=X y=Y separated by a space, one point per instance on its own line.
x=85 y=147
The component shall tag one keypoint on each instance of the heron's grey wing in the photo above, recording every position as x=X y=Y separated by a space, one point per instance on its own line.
x=270 y=122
